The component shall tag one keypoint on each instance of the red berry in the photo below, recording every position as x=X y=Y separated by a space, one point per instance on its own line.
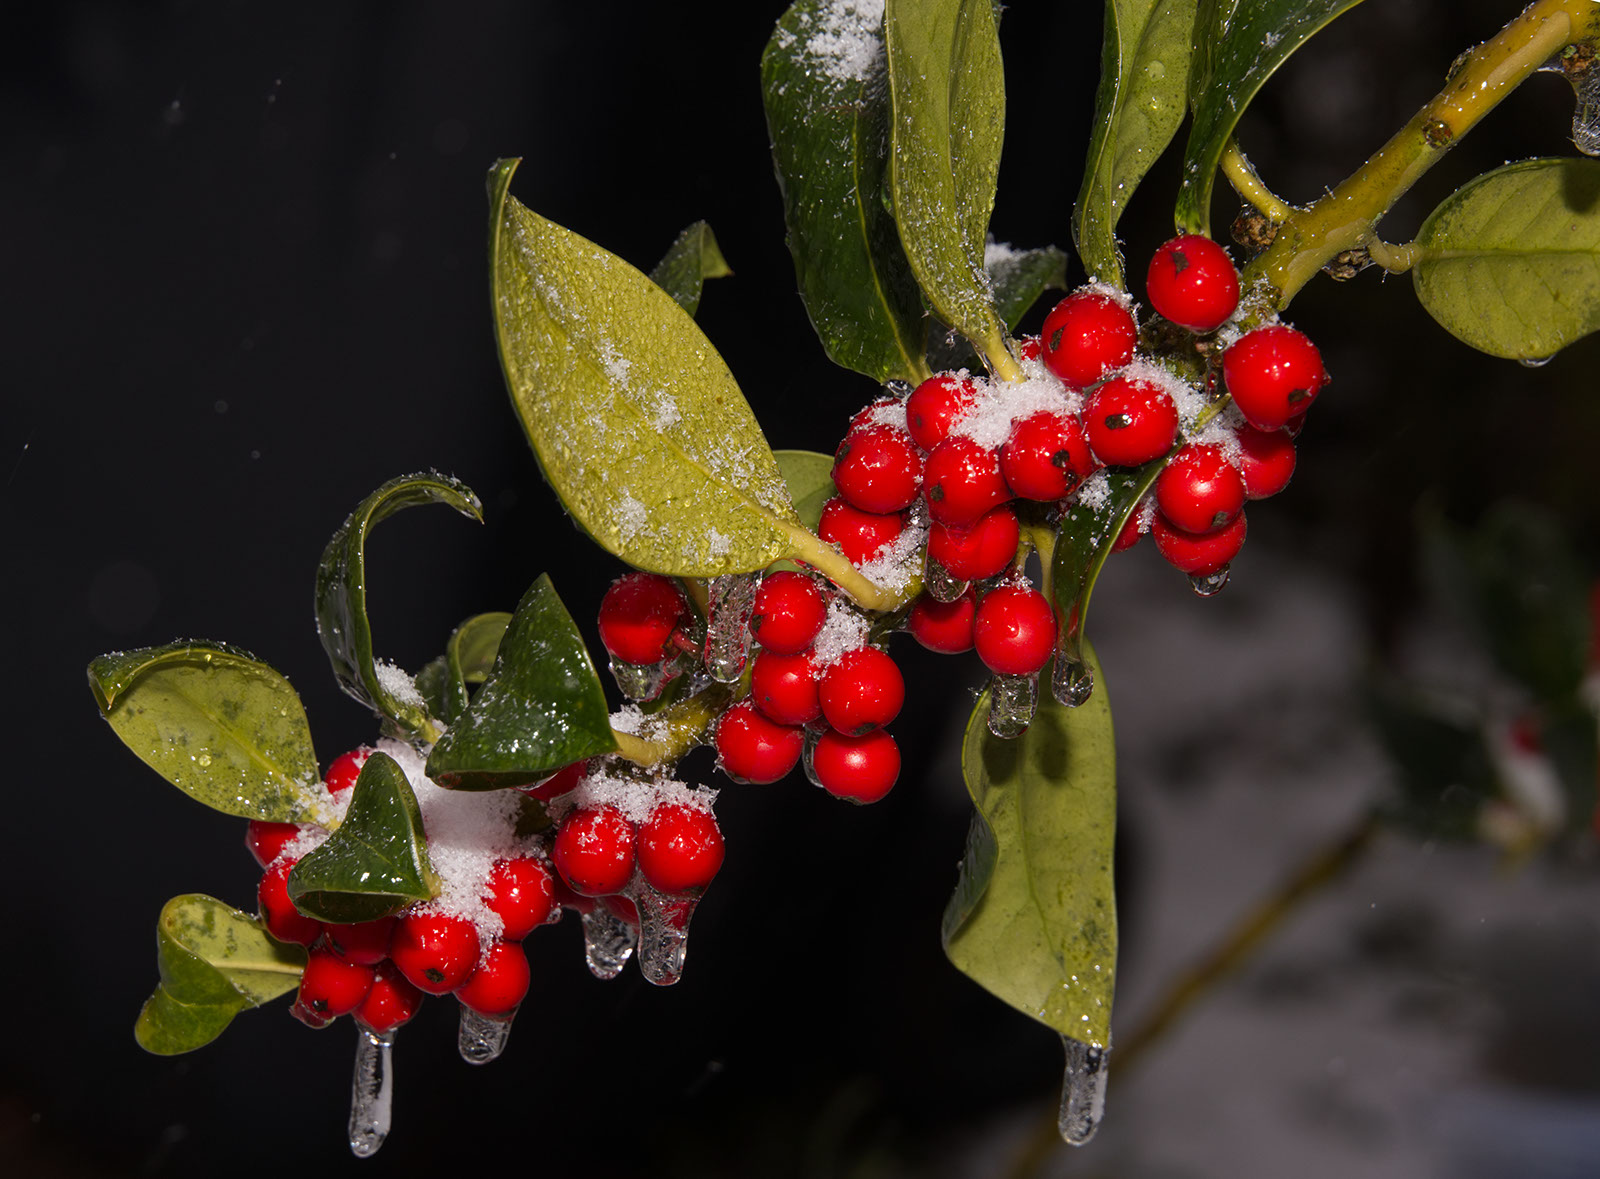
x=1193 y=283
x=980 y=550
x=861 y=769
x=751 y=748
x=1199 y=554
x=365 y=943
x=434 y=951
x=567 y=899
x=789 y=611
x=861 y=536
x=344 y=771
x=861 y=690
x=867 y=415
x=278 y=914
x=499 y=983
x=784 y=687
x=945 y=627
x=392 y=1001
x=331 y=986
x=266 y=841
x=557 y=783
x=1014 y=630
x=594 y=850
x=680 y=849
x=1273 y=374
x=1198 y=491
x=1266 y=461
x=1130 y=422
x=936 y=405
x=1131 y=533
x=638 y=615
x=1030 y=348
x=878 y=469
x=1047 y=456
x=522 y=895
x=1087 y=335
x=962 y=481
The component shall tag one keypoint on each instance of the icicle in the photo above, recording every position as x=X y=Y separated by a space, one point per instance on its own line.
x=641 y=681
x=1012 y=702
x=1083 y=1091
x=371 y=1091
x=940 y=585
x=808 y=754
x=1586 y=115
x=1206 y=584
x=733 y=598
x=608 y=942
x=1072 y=681
x=482 y=1038
x=663 y=935
x=1541 y=361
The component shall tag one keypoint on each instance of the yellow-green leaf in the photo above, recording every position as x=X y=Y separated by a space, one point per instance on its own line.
x=688 y=262
x=810 y=479
x=1510 y=262
x=636 y=421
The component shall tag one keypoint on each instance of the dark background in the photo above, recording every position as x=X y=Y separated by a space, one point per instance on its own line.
x=244 y=276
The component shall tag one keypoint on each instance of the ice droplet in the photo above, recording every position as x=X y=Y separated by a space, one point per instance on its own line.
x=1013 y=700
x=371 y=1091
x=1541 y=361
x=1586 y=115
x=940 y=585
x=1206 y=584
x=663 y=935
x=1083 y=1091
x=1072 y=681
x=608 y=942
x=482 y=1038
x=808 y=754
x=641 y=681
x=732 y=599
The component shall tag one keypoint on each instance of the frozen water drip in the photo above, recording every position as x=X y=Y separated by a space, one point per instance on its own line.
x=732 y=600
x=1013 y=699
x=641 y=681
x=481 y=1038
x=371 y=1091
x=808 y=756
x=940 y=585
x=1072 y=681
x=663 y=935
x=1206 y=584
x=608 y=942
x=1586 y=115
x=1083 y=1091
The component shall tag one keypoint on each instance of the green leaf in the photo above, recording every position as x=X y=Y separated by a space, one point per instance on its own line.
x=1237 y=46
x=214 y=961
x=688 y=262
x=376 y=861
x=1445 y=774
x=636 y=421
x=1144 y=82
x=469 y=654
x=809 y=476
x=824 y=83
x=1034 y=915
x=1083 y=543
x=947 y=88
x=1510 y=262
x=218 y=724
x=1019 y=277
x=342 y=597
x=542 y=707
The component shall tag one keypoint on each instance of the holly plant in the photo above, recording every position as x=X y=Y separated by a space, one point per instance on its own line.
x=971 y=505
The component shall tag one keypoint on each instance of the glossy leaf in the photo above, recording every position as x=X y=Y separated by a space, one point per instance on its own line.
x=947 y=90
x=541 y=708
x=1444 y=771
x=1510 y=262
x=688 y=262
x=376 y=862
x=636 y=421
x=824 y=82
x=342 y=597
x=1083 y=542
x=217 y=723
x=1238 y=44
x=1034 y=917
x=214 y=961
x=809 y=476
x=1019 y=277
x=1144 y=92
x=469 y=654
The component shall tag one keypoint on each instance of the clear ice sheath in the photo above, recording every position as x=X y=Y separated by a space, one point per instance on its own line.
x=1083 y=1091
x=1072 y=681
x=371 y=1091
x=663 y=935
x=641 y=681
x=1012 y=702
x=482 y=1038
x=808 y=756
x=732 y=599
x=1586 y=116
x=1206 y=584
x=940 y=585
x=608 y=942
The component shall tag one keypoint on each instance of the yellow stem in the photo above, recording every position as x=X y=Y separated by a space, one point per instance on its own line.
x=1237 y=168
x=673 y=732
x=1394 y=259
x=1344 y=219
x=836 y=567
x=1001 y=362
x=696 y=588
